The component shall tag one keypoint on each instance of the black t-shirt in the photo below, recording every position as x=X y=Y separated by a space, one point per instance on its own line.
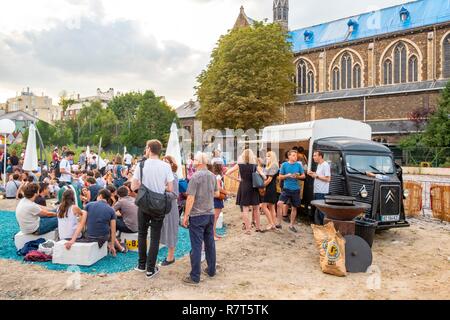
x=41 y=201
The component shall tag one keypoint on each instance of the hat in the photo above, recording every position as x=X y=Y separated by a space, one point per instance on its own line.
x=56 y=148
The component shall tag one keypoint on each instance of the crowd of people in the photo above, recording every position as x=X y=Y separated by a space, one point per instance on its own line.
x=98 y=201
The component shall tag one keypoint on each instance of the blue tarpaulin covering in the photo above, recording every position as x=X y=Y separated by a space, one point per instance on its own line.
x=418 y=14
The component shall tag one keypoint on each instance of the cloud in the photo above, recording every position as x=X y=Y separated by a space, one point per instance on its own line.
x=116 y=54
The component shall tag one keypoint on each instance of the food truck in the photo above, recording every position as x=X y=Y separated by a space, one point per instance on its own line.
x=348 y=148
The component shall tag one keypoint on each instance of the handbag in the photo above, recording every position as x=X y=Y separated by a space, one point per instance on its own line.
x=258 y=181
x=154 y=204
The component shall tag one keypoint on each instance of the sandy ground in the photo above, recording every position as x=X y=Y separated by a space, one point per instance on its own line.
x=413 y=263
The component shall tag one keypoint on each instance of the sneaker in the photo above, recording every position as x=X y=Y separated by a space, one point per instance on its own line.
x=205 y=271
x=279 y=226
x=167 y=263
x=293 y=229
x=151 y=275
x=188 y=280
x=140 y=269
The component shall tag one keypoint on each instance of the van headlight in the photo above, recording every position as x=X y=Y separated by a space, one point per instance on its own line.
x=363 y=192
x=406 y=193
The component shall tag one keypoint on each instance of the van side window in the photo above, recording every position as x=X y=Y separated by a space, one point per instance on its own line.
x=335 y=161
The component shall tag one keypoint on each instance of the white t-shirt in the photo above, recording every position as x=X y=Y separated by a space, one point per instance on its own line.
x=27 y=215
x=128 y=159
x=65 y=177
x=157 y=174
x=323 y=170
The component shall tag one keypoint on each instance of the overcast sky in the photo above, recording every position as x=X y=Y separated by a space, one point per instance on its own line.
x=82 y=45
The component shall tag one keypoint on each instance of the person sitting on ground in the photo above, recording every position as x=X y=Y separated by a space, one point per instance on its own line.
x=101 y=222
x=130 y=192
x=126 y=212
x=99 y=179
x=26 y=179
x=93 y=188
x=12 y=186
x=33 y=218
x=113 y=198
x=71 y=219
x=43 y=195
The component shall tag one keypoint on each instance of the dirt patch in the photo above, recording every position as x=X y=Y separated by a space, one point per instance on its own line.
x=413 y=263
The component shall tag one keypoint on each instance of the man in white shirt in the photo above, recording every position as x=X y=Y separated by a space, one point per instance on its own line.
x=65 y=168
x=33 y=218
x=322 y=179
x=158 y=177
x=128 y=159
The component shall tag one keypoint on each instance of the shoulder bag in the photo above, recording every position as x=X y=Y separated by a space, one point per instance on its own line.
x=154 y=204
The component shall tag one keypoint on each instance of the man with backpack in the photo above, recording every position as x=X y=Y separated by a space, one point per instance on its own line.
x=153 y=178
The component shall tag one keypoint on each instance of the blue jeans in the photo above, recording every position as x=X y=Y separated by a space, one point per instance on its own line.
x=47 y=224
x=201 y=229
x=319 y=215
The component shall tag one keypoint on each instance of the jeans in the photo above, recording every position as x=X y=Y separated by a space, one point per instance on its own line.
x=201 y=229
x=121 y=226
x=144 y=221
x=319 y=215
x=47 y=224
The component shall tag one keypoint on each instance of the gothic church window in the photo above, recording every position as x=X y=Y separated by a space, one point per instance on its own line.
x=356 y=76
x=400 y=63
x=387 y=71
x=413 y=69
x=346 y=71
x=336 y=78
x=446 y=57
x=305 y=78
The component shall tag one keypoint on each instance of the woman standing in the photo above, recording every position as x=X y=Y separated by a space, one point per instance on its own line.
x=270 y=198
x=119 y=172
x=218 y=202
x=169 y=231
x=248 y=197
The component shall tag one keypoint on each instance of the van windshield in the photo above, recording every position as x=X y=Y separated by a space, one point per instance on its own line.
x=363 y=163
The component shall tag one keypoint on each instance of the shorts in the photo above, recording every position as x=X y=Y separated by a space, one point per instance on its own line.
x=218 y=204
x=291 y=195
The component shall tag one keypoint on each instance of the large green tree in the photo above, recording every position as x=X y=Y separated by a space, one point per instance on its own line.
x=248 y=80
x=153 y=120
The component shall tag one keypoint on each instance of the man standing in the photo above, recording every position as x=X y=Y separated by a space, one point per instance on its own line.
x=290 y=173
x=156 y=176
x=322 y=178
x=82 y=160
x=200 y=213
x=128 y=159
x=65 y=168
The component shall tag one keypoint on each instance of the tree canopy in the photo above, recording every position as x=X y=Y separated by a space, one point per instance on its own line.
x=248 y=80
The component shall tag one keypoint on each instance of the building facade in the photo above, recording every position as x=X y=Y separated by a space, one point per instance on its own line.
x=40 y=107
x=377 y=67
x=103 y=97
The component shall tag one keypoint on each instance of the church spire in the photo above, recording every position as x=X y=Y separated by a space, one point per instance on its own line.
x=281 y=12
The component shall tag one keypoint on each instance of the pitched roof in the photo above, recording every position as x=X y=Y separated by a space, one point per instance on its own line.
x=418 y=14
x=188 y=110
x=372 y=91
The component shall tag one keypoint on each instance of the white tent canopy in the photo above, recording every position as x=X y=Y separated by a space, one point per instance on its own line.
x=174 y=150
x=30 y=162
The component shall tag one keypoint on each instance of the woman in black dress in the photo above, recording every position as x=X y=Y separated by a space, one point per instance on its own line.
x=248 y=197
x=270 y=198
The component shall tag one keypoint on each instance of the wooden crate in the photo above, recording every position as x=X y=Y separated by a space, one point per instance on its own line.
x=413 y=203
x=440 y=202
